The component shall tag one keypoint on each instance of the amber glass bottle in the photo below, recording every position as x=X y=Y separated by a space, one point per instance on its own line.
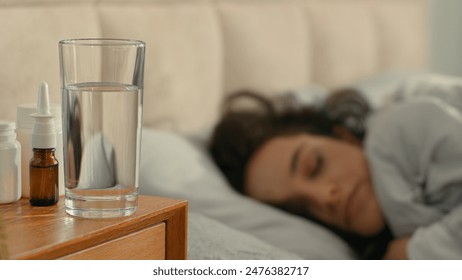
x=43 y=167
x=44 y=178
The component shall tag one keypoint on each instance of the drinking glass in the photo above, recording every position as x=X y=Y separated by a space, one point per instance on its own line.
x=102 y=101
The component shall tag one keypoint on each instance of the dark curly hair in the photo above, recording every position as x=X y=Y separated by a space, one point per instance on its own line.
x=241 y=132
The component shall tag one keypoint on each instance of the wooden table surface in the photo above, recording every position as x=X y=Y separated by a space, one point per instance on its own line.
x=49 y=233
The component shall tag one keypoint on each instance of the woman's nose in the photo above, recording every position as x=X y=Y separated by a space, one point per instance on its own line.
x=330 y=198
x=326 y=196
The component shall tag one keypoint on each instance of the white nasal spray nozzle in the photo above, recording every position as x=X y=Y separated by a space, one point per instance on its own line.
x=43 y=130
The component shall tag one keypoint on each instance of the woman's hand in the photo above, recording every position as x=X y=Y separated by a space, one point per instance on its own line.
x=397 y=249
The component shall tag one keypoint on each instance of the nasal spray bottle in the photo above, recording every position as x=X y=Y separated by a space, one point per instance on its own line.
x=43 y=168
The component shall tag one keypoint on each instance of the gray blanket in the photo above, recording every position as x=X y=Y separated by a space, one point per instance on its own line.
x=415 y=152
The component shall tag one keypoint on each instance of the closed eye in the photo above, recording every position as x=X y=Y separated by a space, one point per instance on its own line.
x=318 y=165
x=296 y=158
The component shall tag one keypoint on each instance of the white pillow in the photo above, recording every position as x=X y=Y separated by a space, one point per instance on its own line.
x=379 y=89
x=173 y=166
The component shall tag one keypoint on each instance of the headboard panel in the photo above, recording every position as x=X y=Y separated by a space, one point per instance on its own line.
x=280 y=45
x=200 y=50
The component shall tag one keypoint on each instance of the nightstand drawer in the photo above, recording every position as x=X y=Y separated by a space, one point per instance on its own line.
x=147 y=244
x=157 y=230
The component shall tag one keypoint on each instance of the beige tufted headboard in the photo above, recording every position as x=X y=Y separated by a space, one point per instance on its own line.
x=199 y=50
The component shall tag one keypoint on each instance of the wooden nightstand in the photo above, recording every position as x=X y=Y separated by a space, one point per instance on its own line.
x=156 y=231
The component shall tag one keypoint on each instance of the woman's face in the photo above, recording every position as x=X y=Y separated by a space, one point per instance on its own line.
x=328 y=177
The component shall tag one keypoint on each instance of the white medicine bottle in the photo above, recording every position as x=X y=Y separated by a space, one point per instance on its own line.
x=10 y=163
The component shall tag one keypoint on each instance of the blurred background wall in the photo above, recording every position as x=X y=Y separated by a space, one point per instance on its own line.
x=446 y=36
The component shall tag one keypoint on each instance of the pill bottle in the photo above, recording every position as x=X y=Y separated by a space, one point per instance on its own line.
x=10 y=163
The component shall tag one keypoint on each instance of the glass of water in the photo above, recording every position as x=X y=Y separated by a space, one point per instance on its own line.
x=102 y=101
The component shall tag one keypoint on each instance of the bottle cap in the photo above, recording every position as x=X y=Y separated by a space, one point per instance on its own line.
x=7 y=131
x=43 y=129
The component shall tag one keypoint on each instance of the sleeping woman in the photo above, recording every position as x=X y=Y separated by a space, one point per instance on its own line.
x=393 y=191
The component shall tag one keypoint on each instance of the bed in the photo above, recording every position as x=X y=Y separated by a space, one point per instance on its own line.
x=225 y=224
x=199 y=51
